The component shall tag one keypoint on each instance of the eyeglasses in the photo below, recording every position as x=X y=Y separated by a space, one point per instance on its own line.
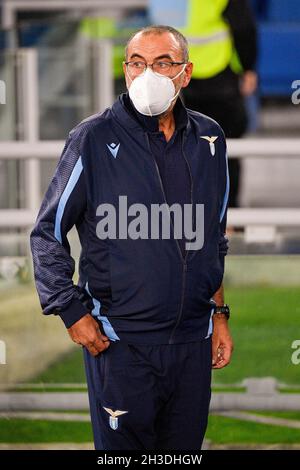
x=136 y=67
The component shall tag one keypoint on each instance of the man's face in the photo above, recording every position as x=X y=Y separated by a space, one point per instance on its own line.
x=164 y=47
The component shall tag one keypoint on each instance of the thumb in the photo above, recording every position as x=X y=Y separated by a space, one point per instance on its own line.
x=100 y=333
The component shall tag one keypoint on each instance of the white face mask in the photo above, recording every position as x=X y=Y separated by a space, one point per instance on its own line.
x=153 y=93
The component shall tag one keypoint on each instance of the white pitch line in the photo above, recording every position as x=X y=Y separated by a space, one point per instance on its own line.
x=48 y=416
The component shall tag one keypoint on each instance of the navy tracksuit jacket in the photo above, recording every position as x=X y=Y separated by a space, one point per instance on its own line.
x=147 y=294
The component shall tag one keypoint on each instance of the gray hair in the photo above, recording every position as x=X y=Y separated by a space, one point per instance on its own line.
x=161 y=29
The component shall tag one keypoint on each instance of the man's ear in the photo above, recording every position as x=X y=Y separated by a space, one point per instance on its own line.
x=187 y=74
x=127 y=81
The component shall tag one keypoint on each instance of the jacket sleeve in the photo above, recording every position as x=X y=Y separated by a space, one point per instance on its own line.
x=223 y=199
x=63 y=206
x=243 y=28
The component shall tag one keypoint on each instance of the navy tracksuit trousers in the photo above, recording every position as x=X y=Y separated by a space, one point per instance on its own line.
x=149 y=397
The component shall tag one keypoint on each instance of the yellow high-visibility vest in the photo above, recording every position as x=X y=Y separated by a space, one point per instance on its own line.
x=210 y=43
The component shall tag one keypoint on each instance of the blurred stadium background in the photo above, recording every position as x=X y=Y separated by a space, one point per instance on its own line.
x=56 y=72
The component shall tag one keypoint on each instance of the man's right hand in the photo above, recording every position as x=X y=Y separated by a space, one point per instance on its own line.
x=86 y=332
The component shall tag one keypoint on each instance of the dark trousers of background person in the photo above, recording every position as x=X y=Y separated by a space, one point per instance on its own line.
x=219 y=98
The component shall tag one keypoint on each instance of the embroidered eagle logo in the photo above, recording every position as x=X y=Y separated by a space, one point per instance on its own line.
x=211 y=140
x=113 y=418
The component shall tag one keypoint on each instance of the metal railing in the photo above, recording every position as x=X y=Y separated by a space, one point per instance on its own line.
x=10 y=8
x=239 y=148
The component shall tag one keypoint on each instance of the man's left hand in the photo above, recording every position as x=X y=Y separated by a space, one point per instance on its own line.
x=222 y=344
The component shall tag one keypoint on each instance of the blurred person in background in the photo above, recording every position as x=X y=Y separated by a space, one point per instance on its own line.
x=223 y=45
x=149 y=313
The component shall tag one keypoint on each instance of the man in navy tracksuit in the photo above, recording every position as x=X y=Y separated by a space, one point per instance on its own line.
x=148 y=310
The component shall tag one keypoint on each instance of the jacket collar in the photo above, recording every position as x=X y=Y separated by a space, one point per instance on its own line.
x=125 y=112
